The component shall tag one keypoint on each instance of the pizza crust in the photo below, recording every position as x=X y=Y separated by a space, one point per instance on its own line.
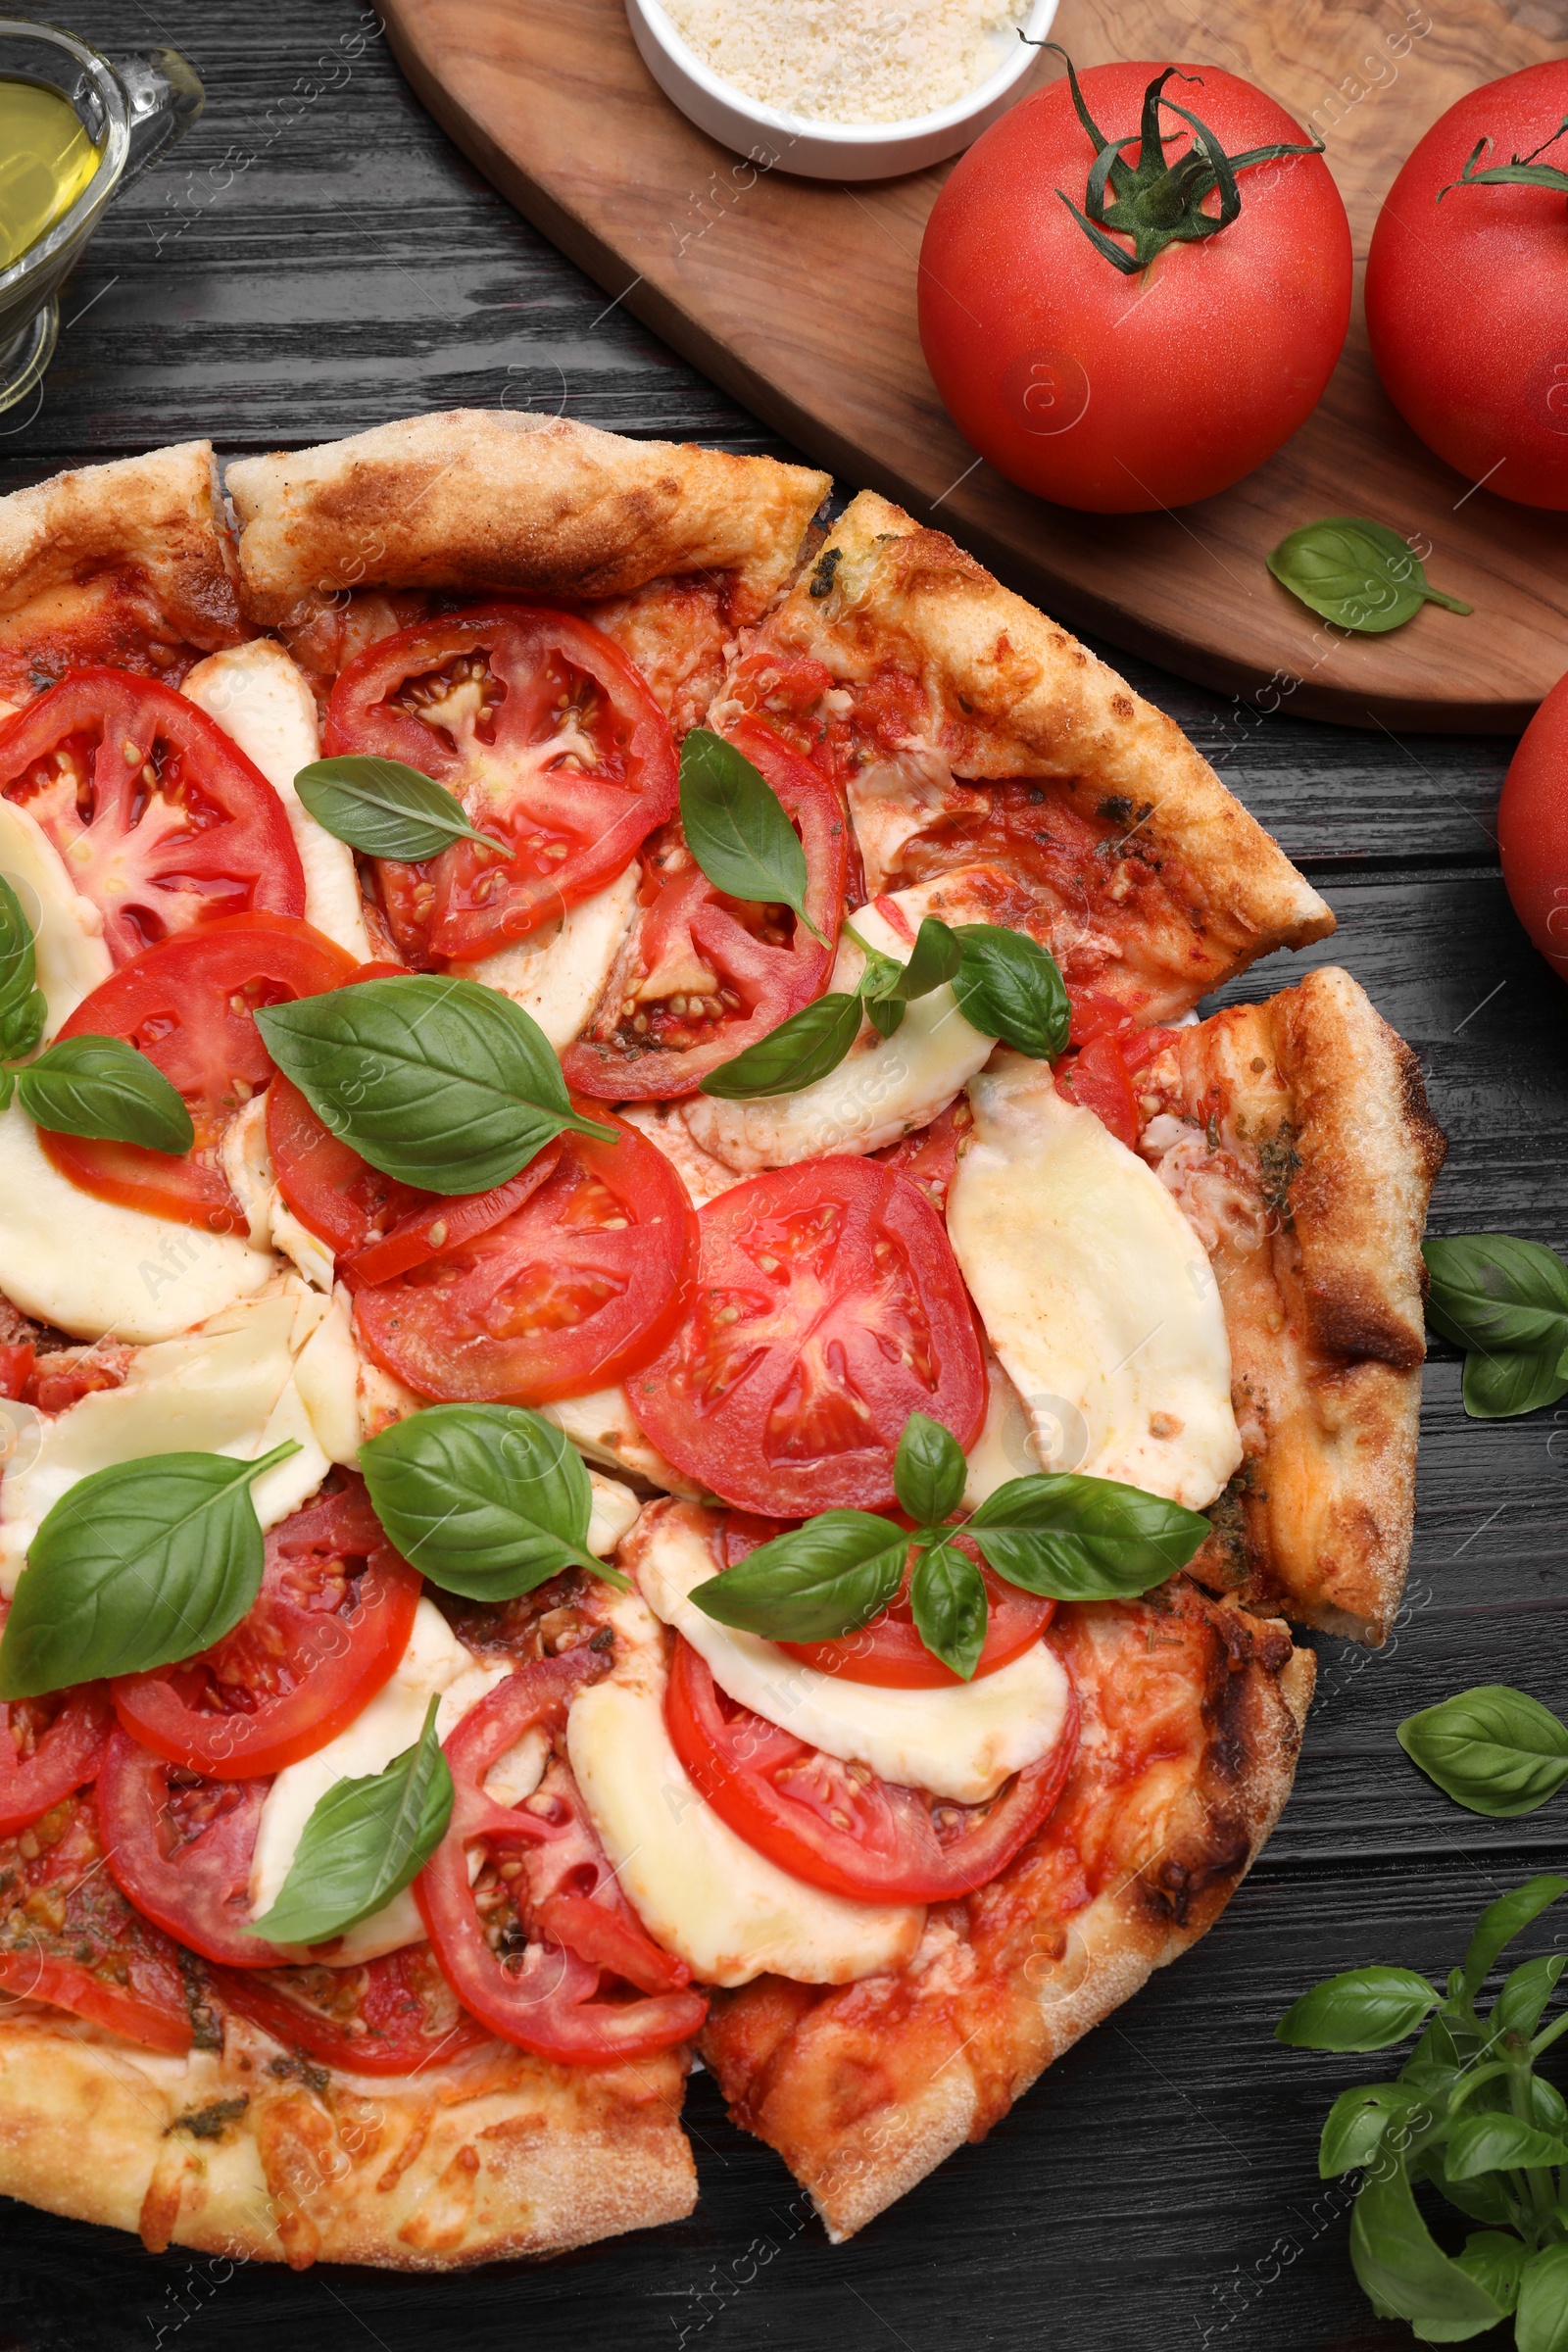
x=116 y=552
x=1013 y=694
x=866 y=2091
x=494 y=2157
x=477 y=498
x=1305 y=1162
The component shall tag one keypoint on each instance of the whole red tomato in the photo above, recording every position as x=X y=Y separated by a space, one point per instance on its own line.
x=1533 y=829
x=1122 y=393
x=1467 y=290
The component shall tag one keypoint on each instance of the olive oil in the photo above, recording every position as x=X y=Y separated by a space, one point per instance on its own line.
x=46 y=160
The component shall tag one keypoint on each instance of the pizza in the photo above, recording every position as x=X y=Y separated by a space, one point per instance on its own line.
x=663 y=1401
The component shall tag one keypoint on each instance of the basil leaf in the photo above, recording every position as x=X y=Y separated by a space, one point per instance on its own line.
x=23 y=1009
x=1354 y=2130
x=441 y=1083
x=1364 y=2009
x=948 y=1598
x=1525 y=1994
x=1498 y=2143
x=8 y=1086
x=879 y=981
x=1492 y=1292
x=933 y=959
x=364 y=1842
x=1542 y=2323
x=386 y=808
x=795 y=1054
x=1402 y=2267
x=736 y=828
x=1500 y=1388
x=1502 y=1920
x=827 y=1577
x=1484 y=2199
x=1083 y=1539
x=102 y=1087
x=1494 y=1750
x=928 y=1470
x=1357 y=574
x=1494 y=2260
x=1009 y=986
x=134 y=1567
x=886 y=1014
x=485 y=1499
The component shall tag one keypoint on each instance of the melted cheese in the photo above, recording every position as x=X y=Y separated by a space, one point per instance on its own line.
x=232 y=1388
x=893 y=799
x=727 y=1911
x=960 y=1741
x=1095 y=1292
x=263 y=705
x=1007 y=1447
x=602 y=1427
x=96 y=1270
x=703 y=1177
x=246 y=1160
x=884 y=1089
x=434 y=1662
x=67 y=928
x=558 y=973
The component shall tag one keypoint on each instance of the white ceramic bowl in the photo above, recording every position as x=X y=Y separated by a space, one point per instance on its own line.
x=825 y=149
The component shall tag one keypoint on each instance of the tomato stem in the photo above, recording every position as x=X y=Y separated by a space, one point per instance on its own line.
x=1520 y=170
x=1153 y=202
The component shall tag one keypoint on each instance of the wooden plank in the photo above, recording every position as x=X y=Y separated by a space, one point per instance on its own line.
x=552 y=101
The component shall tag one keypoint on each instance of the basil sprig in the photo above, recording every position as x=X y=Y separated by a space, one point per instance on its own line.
x=364 y=1841
x=134 y=1567
x=1505 y=1302
x=736 y=828
x=1357 y=574
x=441 y=1083
x=93 y=1086
x=1059 y=1535
x=1468 y=2113
x=1494 y=1750
x=485 y=1499
x=387 y=809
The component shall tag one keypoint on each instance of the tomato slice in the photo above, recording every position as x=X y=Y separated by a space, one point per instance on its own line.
x=162 y=820
x=836 y=1824
x=188 y=1005
x=69 y=1936
x=930 y=1157
x=548 y=736
x=541 y=1993
x=718 y=973
x=829 y=1307
x=392 y=2016
x=1098 y=1078
x=49 y=1747
x=327 y=1630
x=890 y=1652
x=574 y=1290
x=181 y=1846
x=444 y=1223
x=340 y=1197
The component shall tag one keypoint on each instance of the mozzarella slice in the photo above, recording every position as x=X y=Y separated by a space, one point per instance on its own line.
x=558 y=973
x=246 y=1160
x=1095 y=1292
x=229 y=1389
x=727 y=1911
x=67 y=928
x=261 y=702
x=93 y=1268
x=884 y=1089
x=1007 y=1447
x=703 y=1177
x=962 y=1742
x=435 y=1663
x=602 y=1427
x=615 y=1513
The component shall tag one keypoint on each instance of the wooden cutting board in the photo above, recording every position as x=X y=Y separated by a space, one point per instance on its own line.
x=797 y=296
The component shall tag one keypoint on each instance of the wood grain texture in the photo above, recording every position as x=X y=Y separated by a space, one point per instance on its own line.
x=771 y=283
x=1159 y=2188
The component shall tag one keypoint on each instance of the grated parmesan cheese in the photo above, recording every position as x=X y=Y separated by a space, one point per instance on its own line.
x=852 y=61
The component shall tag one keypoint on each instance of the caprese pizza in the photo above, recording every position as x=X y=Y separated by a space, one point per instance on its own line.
x=660 y=1396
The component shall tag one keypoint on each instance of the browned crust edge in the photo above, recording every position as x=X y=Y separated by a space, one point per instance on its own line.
x=1035 y=702
x=481 y=499
x=1215 y=1829
x=158 y=514
x=537 y=2159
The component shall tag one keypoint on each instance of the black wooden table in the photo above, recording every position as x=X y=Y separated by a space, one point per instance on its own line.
x=317 y=259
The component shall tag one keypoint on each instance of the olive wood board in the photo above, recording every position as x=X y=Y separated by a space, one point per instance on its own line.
x=799 y=298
